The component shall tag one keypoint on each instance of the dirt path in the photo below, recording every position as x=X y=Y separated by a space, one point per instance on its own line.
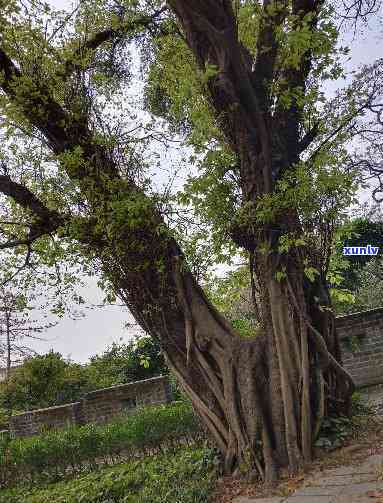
x=351 y=474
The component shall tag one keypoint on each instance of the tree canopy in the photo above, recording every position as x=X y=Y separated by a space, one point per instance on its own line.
x=95 y=104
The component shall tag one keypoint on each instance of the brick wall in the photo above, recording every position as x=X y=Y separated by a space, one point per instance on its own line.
x=361 y=336
x=98 y=406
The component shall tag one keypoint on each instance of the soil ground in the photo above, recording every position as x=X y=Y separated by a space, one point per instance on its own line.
x=365 y=442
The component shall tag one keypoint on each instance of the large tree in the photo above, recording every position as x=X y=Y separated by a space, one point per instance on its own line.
x=256 y=68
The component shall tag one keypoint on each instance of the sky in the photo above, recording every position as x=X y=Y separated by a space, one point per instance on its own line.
x=80 y=339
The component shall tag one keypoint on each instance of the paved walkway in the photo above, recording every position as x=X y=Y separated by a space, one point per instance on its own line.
x=346 y=484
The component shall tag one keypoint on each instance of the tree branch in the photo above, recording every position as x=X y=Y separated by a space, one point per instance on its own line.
x=25 y=198
x=295 y=78
x=23 y=266
x=308 y=138
x=62 y=131
x=34 y=100
x=358 y=11
x=212 y=35
x=46 y=220
x=267 y=49
x=74 y=62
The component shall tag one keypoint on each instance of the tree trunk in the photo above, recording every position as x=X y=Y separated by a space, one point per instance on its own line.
x=8 y=347
x=262 y=399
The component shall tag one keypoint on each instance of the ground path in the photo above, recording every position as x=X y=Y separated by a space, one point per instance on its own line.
x=346 y=484
x=361 y=483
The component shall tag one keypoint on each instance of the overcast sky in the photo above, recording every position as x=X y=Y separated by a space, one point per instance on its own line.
x=82 y=338
x=85 y=337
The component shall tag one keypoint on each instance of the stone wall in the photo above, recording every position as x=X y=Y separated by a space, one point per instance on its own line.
x=361 y=336
x=98 y=406
x=101 y=405
x=36 y=421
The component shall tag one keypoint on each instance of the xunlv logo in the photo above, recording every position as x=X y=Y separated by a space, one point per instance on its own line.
x=361 y=250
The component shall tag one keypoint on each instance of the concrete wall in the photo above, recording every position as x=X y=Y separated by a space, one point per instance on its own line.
x=361 y=336
x=98 y=406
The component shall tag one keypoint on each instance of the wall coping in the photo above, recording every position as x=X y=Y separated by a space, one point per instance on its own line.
x=133 y=384
x=367 y=311
x=94 y=394
x=54 y=407
x=360 y=314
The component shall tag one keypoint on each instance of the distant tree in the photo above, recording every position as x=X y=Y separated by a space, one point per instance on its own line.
x=122 y=363
x=16 y=325
x=44 y=381
x=369 y=292
x=47 y=380
x=236 y=294
x=360 y=231
x=355 y=280
x=367 y=289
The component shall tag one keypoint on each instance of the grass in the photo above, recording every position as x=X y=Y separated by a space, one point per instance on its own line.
x=188 y=475
x=69 y=465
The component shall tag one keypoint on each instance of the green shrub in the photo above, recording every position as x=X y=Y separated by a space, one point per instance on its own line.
x=58 y=453
x=3 y=418
x=335 y=430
